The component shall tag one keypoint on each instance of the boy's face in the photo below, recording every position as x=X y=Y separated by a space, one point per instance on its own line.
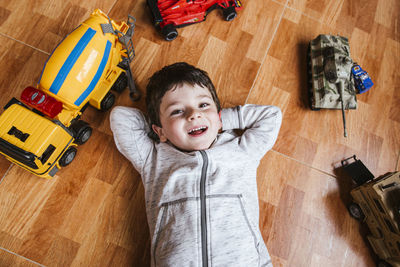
x=189 y=118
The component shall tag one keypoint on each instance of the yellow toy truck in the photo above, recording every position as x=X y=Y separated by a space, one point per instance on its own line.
x=376 y=201
x=40 y=133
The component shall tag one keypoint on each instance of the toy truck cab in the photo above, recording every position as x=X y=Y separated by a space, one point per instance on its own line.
x=33 y=142
x=377 y=203
x=40 y=132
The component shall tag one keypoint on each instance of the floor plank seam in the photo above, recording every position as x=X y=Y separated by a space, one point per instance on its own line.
x=23 y=43
x=5 y=174
x=306 y=15
x=305 y=164
x=15 y=254
x=266 y=53
x=111 y=8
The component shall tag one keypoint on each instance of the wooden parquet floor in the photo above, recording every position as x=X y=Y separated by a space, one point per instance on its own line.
x=92 y=213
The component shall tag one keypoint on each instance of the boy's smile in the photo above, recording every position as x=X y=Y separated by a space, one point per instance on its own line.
x=189 y=118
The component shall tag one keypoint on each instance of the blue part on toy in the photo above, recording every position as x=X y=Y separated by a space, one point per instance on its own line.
x=362 y=80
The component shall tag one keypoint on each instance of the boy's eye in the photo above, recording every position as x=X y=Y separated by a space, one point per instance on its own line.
x=176 y=112
x=204 y=105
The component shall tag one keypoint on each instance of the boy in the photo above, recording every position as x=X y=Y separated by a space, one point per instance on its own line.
x=200 y=185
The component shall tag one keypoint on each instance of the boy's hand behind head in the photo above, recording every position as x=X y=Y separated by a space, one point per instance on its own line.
x=189 y=118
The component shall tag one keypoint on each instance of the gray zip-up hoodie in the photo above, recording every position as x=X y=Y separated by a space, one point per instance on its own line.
x=202 y=206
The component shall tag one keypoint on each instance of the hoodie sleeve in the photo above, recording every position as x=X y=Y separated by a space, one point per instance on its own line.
x=261 y=126
x=130 y=129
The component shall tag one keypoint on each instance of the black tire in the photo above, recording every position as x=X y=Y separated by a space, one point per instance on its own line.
x=82 y=131
x=169 y=32
x=229 y=13
x=355 y=211
x=68 y=156
x=107 y=102
x=121 y=83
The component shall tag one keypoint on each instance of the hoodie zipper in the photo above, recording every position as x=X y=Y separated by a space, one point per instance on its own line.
x=203 y=209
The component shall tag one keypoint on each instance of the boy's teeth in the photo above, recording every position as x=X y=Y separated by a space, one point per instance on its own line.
x=197 y=129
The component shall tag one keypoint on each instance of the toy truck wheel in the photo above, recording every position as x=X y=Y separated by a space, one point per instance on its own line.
x=68 y=156
x=107 y=102
x=169 y=32
x=121 y=83
x=355 y=211
x=229 y=13
x=82 y=131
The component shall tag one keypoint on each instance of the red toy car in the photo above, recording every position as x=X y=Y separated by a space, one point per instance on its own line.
x=171 y=14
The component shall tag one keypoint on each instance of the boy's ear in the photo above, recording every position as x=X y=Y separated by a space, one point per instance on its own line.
x=159 y=131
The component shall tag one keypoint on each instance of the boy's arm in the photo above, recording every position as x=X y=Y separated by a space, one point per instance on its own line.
x=130 y=129
x=261 y=126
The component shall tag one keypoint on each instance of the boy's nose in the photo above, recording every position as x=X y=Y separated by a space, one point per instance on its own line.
x=194 y=114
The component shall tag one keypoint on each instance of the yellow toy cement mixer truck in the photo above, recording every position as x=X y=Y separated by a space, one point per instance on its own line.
x=40 y=131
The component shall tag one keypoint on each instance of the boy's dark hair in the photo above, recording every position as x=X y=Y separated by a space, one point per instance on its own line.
x=168 y=78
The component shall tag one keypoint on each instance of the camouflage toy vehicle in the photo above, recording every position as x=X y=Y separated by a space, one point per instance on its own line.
x=377 y=203
x=330 y=80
